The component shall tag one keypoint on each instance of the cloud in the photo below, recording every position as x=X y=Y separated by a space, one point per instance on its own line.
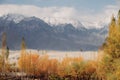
x=87 y=18
x=118 y=2
x=101 y=18
x=30 y=10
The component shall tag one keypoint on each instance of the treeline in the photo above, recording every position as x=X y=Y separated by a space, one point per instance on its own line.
x=34 y=66
x=51 y=69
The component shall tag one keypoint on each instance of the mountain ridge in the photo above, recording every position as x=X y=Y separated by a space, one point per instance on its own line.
x=41 y=35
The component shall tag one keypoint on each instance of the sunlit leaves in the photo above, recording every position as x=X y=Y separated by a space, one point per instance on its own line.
x=110 y=62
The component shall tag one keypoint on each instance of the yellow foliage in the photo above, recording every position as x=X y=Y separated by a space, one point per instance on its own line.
x=53 y=66
x=34 y=64
x=0 y=63
x=66 y=66
x=109 y=65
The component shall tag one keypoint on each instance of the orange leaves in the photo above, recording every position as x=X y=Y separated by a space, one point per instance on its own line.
x=42 y=65
x=111 y=49
x=78 y=59
x=1 y=63
x=66 y=66
x=34 y=64
x=91 y=67
x=28 y=62
x=53 y=65
x=33 y=58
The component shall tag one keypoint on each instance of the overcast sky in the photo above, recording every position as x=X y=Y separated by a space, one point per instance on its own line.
x=89 y=12
x=85 y=4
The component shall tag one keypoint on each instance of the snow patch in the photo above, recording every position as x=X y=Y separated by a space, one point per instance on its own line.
x=13 y=17
x=53 y=21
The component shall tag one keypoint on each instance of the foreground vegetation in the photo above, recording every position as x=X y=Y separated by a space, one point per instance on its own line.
x=34 y=66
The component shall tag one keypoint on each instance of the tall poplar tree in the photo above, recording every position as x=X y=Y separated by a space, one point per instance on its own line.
x=23 y=45
x=118 y=22
x=3 y=51
x=110 y=63
x=22 y=57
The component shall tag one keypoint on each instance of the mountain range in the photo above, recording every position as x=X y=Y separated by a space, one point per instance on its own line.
x=50 y=34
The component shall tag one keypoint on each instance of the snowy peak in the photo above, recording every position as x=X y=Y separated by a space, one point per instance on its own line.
x=59 y=21
x=52 y=21
x=13 y=17
x=40 y=35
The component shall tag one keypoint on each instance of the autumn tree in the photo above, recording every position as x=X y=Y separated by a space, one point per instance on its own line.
x=110 y=62
x=118 y=22
x=23 y=45
x=1 y=64
x=70 y=67
x=23 y=53
x=30 y=66
x=3 y=44
x=21 y=61
x=3 y=51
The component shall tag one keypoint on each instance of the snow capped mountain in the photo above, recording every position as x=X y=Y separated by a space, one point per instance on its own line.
x=53 y=21
x=56 y=21
x=50 y=20
x=13 y=17
x=93 y=25
x=64 y=34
